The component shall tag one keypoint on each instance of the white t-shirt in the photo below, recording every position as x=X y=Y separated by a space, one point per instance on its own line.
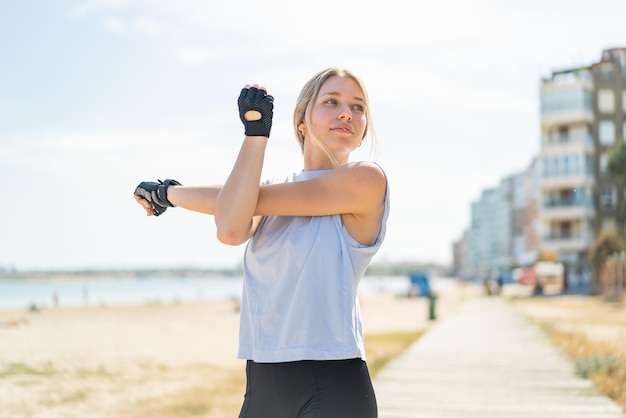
x=299 y=299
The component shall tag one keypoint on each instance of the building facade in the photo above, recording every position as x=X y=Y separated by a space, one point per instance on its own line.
x=532 y=198
x=609 y=108
x=566 y=180
x=498 y=237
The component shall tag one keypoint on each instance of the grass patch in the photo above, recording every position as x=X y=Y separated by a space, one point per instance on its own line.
x=66 y=398
x=221 y=396
x=21 y=369
x=382 y=348
x=100 y=371
x=196 y=402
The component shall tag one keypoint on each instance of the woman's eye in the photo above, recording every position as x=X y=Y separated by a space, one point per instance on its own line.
x=358 y=108
x=331 y=101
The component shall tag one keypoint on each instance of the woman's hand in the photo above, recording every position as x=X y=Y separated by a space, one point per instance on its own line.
x=256 y=109
x=145 y=204
x=156 y=194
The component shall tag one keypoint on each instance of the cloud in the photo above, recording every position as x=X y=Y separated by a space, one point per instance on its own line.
x=195 y=57
x=86 y=8
x=149 y=26
x=295 y=25
x=115 y=25
x=141 y=25
x=353 y=22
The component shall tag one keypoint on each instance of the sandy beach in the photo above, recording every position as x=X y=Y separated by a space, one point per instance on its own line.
x=125 y=361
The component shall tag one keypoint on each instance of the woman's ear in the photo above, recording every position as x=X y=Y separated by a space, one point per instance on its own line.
x=302 y=128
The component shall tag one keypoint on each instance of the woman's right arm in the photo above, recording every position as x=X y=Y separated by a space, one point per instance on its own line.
x=236 y=203
x=195 y=198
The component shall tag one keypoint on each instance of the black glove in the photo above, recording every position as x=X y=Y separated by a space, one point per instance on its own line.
x=256 y=100
x=156 y=194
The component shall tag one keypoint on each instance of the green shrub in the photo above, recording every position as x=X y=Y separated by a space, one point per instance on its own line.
x=608 y=363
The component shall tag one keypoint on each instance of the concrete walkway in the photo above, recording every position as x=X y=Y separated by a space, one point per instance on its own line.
x=487 y=361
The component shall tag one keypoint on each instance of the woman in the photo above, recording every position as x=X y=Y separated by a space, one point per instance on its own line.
x=310 y=239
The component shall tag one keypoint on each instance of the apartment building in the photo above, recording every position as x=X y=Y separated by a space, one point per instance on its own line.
x=483 y=233
x=566 y=210
x=609 y=108
x=502 y=232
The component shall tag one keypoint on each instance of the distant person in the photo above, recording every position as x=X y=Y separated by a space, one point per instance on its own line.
x=310 y=239
x=487 y=287
x=500 y=283
x=538 y=290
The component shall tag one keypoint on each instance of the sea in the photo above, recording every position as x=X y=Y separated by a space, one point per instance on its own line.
x=76 y=292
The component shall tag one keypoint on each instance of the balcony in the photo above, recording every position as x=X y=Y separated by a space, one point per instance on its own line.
x=566 y=117
x=569 y=142
x=567 y=101
x=566 y=182
x=573 y=241
x=567 y=208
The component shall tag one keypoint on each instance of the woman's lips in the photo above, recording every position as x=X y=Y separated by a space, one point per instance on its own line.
x=344 y=129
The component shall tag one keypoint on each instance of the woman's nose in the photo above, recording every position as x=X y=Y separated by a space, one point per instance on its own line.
x=345 y=113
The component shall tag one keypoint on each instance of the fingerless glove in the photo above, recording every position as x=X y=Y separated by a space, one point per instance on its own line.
x=254 y=99
x=156 y=194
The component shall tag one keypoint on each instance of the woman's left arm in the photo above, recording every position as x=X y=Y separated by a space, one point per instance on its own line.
x=356 y=191
x=355 y=188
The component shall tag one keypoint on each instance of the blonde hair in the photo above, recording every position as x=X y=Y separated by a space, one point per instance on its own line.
x=308 y=94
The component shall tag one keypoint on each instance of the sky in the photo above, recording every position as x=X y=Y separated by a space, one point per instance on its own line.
x=97 y=96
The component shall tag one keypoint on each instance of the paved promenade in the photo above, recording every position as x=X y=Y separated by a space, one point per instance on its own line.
x=487 y=361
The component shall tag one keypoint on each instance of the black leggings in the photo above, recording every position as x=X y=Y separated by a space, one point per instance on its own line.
x=309 y=389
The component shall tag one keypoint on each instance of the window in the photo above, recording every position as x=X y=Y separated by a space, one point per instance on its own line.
x=555 y=166
x=575 y=99
x=608 y=197
x=563 y=134
x=565 y=165
x=581 y=196
x=550 y=166
x=606 y=101
x=576 y=164
x=588 y=164
x=604 y=161
x=605 y=71
x=561 y=230
x=606 y=132
x=553 y=136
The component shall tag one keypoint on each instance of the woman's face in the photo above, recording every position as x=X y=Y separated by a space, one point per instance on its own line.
x=338 y=115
